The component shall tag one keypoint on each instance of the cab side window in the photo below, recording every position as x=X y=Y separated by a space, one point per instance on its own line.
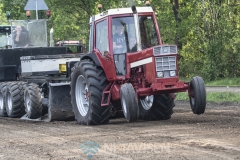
x=102 y=36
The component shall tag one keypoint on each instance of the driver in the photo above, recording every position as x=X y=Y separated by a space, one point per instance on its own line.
x=21 y=38
x=119 y=42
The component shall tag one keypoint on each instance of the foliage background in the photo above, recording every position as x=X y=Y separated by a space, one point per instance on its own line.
x=207 y=32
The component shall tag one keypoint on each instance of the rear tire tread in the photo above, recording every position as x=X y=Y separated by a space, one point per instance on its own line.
x=16 y=91
x=96 y=81
x=162 y=108
x=35 y=101
x=3 y=112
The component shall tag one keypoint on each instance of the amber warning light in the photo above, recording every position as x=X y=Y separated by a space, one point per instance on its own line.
x=28 y=14
x=100 y=7
x=147 y=3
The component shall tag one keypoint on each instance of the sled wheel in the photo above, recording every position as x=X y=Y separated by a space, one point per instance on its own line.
x=129 y=102
x=14 y=99
x=32 y=101
x=87 y=84
x=156 y=107
x=3 y=112
x=197 y=95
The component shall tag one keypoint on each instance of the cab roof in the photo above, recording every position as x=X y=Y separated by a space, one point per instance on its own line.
x=118 y=11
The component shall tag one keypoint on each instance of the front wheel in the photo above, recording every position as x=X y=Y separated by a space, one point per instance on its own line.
x=87 y=84
x=197 y=95
x=156 y=107
x=129 y=102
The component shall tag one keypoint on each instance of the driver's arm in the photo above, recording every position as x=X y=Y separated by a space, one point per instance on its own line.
x=115 y=46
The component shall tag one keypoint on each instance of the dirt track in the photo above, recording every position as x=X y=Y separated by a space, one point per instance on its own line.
x=213 y=135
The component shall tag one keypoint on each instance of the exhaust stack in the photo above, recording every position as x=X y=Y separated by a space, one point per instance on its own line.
x=136 y=22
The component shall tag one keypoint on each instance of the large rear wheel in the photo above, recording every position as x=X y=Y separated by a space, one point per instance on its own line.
x=156 y=107
x=87 y=84
x=32 y=101
x=14 y=99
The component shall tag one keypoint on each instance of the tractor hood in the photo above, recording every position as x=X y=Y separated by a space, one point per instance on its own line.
x=160 y=50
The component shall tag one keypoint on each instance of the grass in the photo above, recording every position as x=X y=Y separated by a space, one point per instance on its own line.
x=225 y=82
x=222 y=82
x=217 y=97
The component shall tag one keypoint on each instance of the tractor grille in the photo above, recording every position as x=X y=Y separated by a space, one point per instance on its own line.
x=165 y=65
x=162 y=50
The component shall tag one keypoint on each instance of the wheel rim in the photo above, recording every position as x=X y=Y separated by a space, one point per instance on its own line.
x=82 y=96
x=1 y=101
x=27 y=103
x=147 y=102
x=9 y=101
x=124 y=106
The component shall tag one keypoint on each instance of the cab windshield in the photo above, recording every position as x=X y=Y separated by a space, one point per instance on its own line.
x=124 y=34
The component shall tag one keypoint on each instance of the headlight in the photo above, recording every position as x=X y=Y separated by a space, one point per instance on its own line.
x=172 y=73
x=160 y=74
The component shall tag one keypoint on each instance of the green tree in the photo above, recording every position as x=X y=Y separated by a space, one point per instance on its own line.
x=205 y=31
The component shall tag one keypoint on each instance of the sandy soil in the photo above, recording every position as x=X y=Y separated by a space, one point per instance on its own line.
x=213 y=135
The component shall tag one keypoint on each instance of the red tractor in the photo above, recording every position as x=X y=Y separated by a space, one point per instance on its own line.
x=129 y=69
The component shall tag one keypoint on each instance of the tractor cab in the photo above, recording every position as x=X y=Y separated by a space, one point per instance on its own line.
x=126 y=40
x=125 y=32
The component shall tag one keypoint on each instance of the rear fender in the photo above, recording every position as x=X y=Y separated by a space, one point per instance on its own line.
x=106 y=63
x=69 y=66
x=93 y=57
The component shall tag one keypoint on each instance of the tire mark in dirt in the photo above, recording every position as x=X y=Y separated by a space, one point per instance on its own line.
x=199 y=150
